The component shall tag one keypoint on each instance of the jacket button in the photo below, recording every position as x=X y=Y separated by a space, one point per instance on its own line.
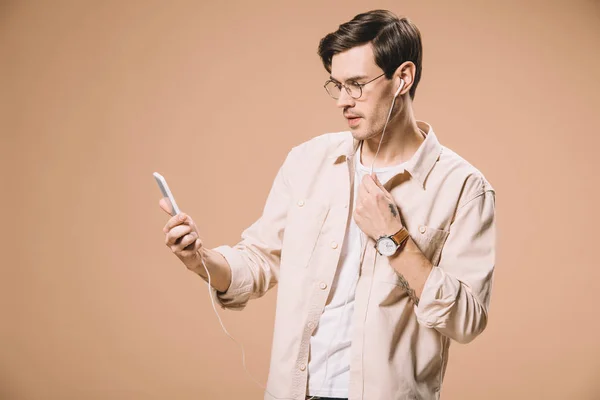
x=300 y=203
x=310 y=325
x=334 y=245
x=302 y=367
x=422 y=229
x=323 y=285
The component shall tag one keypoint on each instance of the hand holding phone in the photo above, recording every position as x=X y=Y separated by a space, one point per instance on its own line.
x=181 y=233
x=166 y=192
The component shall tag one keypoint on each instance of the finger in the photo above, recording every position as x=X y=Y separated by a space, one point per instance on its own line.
x=372 y=186
x=192 y=244
x=364 y=181
x=188 y=239
x=187 y=242
x=178 y=219
x=359 y=196
x=362 y=192
x=387 y=194
x=175 y=235
x=379 y=191
x=192 y=248
x=166 y=205
x=377 y=181
x=356 y=217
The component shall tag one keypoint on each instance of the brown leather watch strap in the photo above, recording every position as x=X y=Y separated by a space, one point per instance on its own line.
x=401 y=236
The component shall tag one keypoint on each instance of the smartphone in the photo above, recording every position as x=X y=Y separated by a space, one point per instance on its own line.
x=164 y=188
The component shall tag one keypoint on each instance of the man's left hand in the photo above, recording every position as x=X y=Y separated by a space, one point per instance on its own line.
x=376 y=213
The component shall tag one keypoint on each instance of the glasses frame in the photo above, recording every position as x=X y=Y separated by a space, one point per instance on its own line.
x=348 y=90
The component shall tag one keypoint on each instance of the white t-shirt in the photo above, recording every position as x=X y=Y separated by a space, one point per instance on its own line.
x=331 y=328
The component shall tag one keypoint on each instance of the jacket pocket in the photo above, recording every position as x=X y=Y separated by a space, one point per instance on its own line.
x=393 y=294
x=430 y=241
x=303 y=226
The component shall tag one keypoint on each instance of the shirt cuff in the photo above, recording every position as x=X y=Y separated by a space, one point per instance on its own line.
x=235 y=298
x=437 y=299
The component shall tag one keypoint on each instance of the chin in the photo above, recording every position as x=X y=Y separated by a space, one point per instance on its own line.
x=360 y=134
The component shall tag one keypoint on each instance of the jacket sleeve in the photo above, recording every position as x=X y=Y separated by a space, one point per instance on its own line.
x=456 y=295
x=255 y=259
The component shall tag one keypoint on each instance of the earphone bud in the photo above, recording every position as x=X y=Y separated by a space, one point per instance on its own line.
x=400 y=88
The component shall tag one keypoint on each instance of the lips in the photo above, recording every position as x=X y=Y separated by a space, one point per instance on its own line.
x=353 y=121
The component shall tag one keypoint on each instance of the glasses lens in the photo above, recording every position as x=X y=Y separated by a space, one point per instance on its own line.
x=333 y=89
x=355 y=89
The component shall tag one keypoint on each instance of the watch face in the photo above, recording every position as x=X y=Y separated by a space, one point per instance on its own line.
x=386 y=247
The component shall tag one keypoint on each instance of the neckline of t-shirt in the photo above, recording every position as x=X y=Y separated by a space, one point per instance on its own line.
x=360 y=165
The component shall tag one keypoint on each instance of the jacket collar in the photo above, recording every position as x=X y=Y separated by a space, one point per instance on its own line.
x=420 y=164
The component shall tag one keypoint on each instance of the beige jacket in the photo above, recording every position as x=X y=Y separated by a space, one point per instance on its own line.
x=399 y=350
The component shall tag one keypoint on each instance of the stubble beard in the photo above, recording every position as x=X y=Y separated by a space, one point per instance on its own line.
x=370 y=132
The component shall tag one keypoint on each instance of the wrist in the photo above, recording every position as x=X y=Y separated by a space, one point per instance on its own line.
x=217 y=266
x=391 y=230
x=390 y=245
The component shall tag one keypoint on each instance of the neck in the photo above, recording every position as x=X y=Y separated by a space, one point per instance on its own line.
x=402 y=139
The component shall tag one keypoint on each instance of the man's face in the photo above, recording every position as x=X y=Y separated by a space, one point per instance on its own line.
x=366 y=115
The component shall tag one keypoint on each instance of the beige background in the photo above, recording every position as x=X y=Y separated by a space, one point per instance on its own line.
x=95 y=96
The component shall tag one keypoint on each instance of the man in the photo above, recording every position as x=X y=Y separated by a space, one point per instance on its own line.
x=377 y=272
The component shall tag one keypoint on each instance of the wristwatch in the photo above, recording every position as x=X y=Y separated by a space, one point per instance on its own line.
x=389 y=245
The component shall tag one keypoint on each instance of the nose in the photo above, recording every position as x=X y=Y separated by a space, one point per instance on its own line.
x=345 y=100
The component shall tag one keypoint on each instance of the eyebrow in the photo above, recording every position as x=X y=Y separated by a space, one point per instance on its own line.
x=352 y=78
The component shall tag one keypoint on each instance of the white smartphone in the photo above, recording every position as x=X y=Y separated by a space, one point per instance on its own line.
x=164 y=188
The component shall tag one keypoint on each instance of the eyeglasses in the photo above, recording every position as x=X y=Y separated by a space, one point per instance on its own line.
x=354 y=89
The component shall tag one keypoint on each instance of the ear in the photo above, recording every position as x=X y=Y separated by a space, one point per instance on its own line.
x=404 y=73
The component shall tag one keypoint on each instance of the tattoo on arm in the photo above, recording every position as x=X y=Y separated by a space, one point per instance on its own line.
x=403 y=281
x=393 y=210
x=409 y=290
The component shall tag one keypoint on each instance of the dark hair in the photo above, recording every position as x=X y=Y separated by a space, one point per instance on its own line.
x=395 y=40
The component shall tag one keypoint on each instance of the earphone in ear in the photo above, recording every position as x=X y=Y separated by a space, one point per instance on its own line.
x=400 y=88
x=386 y=122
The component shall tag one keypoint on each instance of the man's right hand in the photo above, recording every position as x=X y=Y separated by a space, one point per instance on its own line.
x=182 y=237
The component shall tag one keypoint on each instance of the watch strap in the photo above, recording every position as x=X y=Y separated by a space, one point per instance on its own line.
x=401 y=236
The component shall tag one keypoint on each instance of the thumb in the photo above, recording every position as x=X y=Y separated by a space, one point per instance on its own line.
x=380 y=185
x=165 y=204
x=376 y=179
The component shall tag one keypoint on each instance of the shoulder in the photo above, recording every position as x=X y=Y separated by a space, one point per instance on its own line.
x=473 y=182
x=320 y=147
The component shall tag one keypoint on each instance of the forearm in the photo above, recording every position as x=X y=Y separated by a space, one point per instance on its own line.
x=218 y=267
x=413 y=269
x=451 y=309
x=453 y=296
